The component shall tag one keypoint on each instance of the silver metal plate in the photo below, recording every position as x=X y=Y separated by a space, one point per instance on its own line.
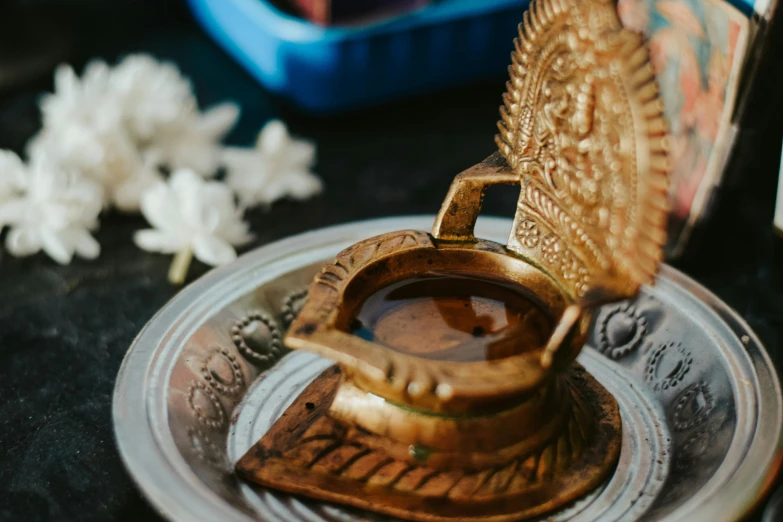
x=699 y=398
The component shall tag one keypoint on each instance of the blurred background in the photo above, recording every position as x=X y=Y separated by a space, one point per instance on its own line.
x=399 y=96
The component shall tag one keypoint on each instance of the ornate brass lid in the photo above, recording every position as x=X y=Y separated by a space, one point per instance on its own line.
x=583 y=134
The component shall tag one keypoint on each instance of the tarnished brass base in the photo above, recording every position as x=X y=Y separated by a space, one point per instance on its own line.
x=311 y=453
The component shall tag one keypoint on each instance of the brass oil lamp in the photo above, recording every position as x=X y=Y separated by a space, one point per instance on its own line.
x=456 y=395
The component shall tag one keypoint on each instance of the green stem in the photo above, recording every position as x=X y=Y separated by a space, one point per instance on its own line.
x=179 y=266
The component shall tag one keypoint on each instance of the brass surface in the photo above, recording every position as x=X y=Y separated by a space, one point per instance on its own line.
x=582 y=134
x=311 y=453
x=323 y=325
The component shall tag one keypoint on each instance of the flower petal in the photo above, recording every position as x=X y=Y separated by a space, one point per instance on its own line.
x=153 y=240
x=54 y=216
x=273 y=137
x=56 y=247
x=212 y=251
x=217 y=121
x=22 y=242
x=219 y=200
x=235 y=233
x=13 y=212
x=85 y=245
x=300 y=154
x=240 y=158
x=65 y=80
x=127 y=195
x=197 y=213
x=159 y=206
x=304 y=185
x=185 y=181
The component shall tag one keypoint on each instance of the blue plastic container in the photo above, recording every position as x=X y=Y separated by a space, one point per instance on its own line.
x=325 y=69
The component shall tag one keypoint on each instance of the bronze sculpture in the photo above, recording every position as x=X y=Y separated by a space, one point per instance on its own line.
x=503 y=425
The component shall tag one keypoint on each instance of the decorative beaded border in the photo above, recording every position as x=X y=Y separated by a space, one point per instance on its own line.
x=697 y=419
x=655 y=360
x=227 y=389
x=289 y=313
x=616 y=352
x=216 y=422
x=275 y=343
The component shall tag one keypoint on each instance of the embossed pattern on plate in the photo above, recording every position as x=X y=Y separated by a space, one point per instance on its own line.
x=208 y=375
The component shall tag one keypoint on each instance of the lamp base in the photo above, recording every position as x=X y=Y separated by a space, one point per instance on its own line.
x=310 y=453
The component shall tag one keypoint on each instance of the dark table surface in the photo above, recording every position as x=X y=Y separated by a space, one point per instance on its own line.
x=65 y=330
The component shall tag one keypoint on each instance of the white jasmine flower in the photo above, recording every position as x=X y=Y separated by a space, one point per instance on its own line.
x=190 y=217
x=83 y=129
x=278 y=167
x=56 y=214
x=106 y=139
x=109 y=157
x=96 y=125
x=119 y=126
x=12 y=175
x=193 y=142
x=87 y=101
x=154 y=95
